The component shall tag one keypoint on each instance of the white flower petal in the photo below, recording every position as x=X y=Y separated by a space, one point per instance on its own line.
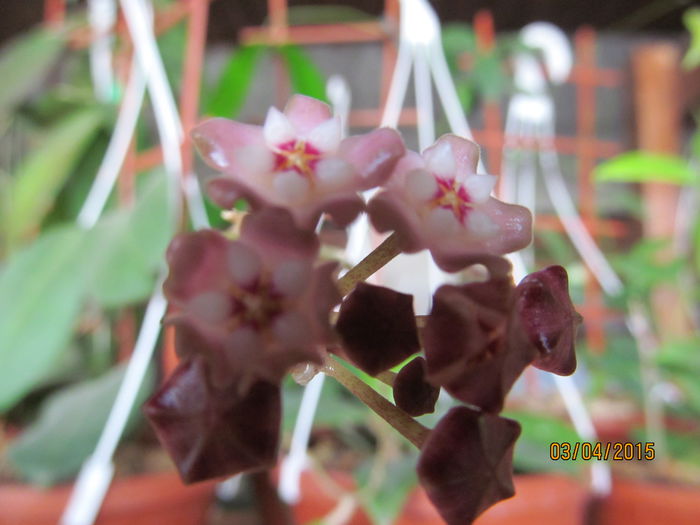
x=326 y=136
x=440 y=160
x=420 y=185
x=244 y=340
x=244 y=264
x=480 y=224
x=277 y=129
x=334 y=174
x=291 y=187
x=212 y=307
x=213 y=150
x=254 y=161
x=291 y=278
x=441 y=222
x=479 y=187
x=292 y=330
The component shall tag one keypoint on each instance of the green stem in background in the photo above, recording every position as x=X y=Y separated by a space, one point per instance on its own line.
x=397 y=418
x=380 y=256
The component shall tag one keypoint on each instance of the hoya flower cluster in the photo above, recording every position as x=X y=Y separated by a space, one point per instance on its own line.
x=249 y=306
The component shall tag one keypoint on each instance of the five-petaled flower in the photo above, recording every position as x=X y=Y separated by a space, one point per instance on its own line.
x=258 y=300
x=437 y=201
x=297 y=160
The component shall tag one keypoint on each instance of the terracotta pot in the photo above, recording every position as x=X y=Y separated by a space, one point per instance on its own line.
x=539 y=498
x=137 y=500
x=646 y=503
x=318 y=499
x=418 y=510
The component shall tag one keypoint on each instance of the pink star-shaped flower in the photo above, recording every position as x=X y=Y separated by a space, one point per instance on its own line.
x=297 y=160
x=253 y=307
x=437 y=201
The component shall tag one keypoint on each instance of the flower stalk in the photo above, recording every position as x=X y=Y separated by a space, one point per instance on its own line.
x=379 y=257
x=397 y=418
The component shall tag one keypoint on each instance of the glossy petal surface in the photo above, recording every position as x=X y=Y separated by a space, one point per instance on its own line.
x=412 y=393
x=255 y=307
x=298 y=161
x=211 y=432
x=549 y=319
x=466 y=463
x=377 y=327
x=438 y=202
x=473 y=344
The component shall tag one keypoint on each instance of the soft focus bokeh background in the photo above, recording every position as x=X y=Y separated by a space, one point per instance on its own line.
x=72 y=299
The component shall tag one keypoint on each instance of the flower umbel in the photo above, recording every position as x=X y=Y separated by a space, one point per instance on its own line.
x=255 y=303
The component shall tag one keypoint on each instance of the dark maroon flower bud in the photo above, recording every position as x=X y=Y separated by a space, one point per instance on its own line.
x=377 y=327
x=466 y=463
x=548 y=319
x=211 y=432
x=412 y=393
x=470 y=343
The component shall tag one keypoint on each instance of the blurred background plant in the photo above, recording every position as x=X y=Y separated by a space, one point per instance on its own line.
x=71 y=298
x=662 y=263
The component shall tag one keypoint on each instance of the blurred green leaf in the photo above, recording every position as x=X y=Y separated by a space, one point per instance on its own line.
x=43 y=285
x=643 y=269
x=325 y=14
x=41 y=175
x=680 y=355
x=171 y=45
x=128 y=247
x=642 y=166
x=695 y=139
x=68 y=427
x=458 y=38
x=398 y=478
x=556 y=246
x=465 y=93
x=24 y=63
x=304 y=75
x=683 y=446
x=691 y=19
x=615 y=372
x=41 y=289
x=489 y=75
x=70 y=199
x=532 y=452
x=232 y=90
x=679 y=362
x=336 y=408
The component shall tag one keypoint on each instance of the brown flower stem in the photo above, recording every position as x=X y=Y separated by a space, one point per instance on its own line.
x=271 y=509
x=387 y=377
x=381 y=255
x=397 y=418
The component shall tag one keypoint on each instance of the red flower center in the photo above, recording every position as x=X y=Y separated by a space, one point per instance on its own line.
x=298 y=156
x=255 y=307
x=451 y=196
